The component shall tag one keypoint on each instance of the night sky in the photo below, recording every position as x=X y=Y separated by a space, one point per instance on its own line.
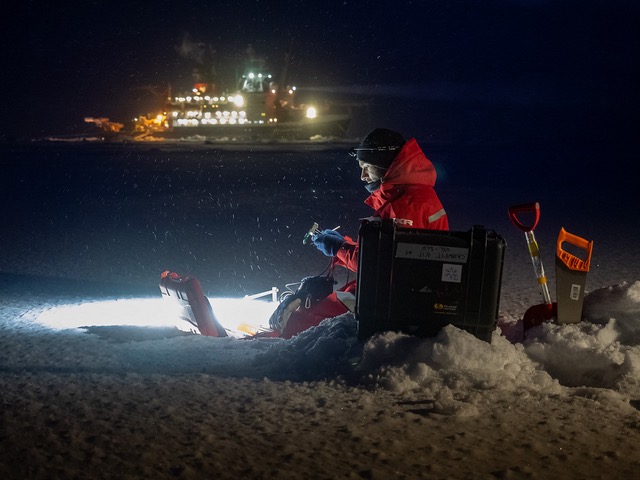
x=67 y=60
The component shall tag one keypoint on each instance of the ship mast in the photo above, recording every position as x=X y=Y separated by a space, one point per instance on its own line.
x=282 y=79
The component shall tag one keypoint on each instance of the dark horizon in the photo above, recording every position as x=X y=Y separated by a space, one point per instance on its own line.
x=547 y=61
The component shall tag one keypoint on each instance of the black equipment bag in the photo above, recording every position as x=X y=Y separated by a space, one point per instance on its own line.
x=311 y=290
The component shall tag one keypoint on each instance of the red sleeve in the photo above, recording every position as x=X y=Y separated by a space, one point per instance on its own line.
x=347 y=256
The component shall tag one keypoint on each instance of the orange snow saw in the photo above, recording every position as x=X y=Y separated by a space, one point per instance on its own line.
x=546 y=311
x=571 y=276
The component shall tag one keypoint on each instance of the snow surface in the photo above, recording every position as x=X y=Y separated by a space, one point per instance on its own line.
x=96 y=381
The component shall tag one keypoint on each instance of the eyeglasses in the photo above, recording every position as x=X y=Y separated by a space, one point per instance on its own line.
x=353 y=152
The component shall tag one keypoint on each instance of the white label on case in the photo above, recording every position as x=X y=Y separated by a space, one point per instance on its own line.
x=451 y=273
x=435 y=253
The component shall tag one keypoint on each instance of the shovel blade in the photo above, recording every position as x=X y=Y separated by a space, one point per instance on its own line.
x=539 y=314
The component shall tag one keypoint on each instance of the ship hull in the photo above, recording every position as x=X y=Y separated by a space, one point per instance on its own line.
x=329 y=126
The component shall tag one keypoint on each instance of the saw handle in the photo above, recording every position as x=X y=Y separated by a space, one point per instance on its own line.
x=516 y=210
x=570 y=260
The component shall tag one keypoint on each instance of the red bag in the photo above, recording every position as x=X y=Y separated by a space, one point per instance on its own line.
x=304 y=318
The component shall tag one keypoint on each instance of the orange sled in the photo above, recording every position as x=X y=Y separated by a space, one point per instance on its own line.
x=196 y=308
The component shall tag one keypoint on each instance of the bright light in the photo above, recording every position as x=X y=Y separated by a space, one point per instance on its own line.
x=238 y=100
x=311 y=112
x=141 y=312
x=187 y=122
x=240 y=316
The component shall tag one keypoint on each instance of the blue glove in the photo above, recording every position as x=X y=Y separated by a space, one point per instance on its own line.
x=328 y=242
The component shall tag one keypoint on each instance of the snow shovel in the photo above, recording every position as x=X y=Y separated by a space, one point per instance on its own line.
x=571 y=276
x=536 y=314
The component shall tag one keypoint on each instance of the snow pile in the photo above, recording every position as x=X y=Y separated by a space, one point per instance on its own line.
x=454 y=368
x=620 y=302
x=325 y=351
x=593 y=353
x=454 y=359
x=603 y=351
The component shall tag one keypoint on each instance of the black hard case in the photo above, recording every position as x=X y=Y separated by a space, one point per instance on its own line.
x=417 y=281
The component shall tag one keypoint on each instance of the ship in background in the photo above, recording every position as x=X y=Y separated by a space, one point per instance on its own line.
x=259 y=107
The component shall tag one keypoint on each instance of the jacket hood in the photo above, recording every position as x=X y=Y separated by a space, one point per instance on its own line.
x=411 y=167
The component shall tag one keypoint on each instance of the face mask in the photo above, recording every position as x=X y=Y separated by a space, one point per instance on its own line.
x=373 y=186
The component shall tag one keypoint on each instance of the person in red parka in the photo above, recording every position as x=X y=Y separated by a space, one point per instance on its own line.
x=401 y=181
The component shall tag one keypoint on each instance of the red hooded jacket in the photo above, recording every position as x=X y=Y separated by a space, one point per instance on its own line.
x=406 y=192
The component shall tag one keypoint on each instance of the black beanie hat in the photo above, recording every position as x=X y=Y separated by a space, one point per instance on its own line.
x=379 y=147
